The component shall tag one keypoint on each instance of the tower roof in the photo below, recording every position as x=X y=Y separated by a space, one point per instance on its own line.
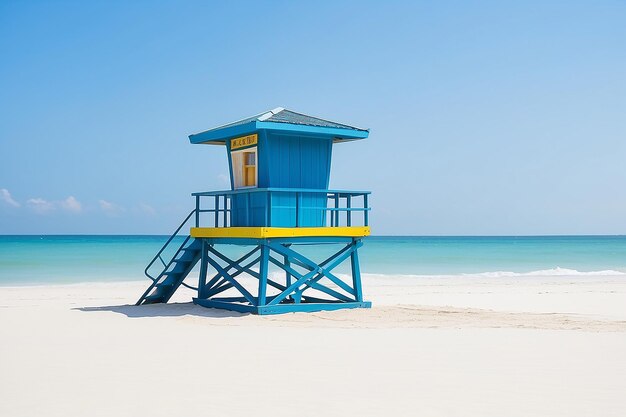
x=280 y=119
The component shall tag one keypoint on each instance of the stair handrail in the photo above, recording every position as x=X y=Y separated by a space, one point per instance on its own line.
x=158 y=255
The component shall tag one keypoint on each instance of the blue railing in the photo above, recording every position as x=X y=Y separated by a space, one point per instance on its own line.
x=337 y=210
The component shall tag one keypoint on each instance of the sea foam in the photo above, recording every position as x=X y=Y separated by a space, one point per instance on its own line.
x=554 y=272
x=546 y=272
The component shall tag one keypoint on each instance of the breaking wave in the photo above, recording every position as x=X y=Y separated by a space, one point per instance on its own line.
x=554 y=272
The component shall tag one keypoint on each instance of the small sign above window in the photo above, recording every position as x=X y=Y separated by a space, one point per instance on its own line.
x=243 y=142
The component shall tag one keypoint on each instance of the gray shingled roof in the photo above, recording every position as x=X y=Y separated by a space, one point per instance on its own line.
x=288 y=116
x=281 y=115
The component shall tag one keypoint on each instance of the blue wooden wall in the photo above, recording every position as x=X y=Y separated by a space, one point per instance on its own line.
x=286 y=160
x=295 y=161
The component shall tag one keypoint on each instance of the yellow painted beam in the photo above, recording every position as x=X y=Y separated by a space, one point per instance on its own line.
x=267 y=232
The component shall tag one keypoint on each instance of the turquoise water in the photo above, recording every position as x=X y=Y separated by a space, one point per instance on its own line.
x=26 y=260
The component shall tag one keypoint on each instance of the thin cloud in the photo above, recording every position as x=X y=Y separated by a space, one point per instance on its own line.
x=71 y=204
x=109 y=208
x=40 y=206
x=5 y=196
x=43 y=206
x=146 y=209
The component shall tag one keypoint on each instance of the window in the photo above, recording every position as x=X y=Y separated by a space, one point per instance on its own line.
x=245 y=167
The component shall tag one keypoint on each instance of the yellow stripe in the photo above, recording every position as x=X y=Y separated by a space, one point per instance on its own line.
x=266 y=232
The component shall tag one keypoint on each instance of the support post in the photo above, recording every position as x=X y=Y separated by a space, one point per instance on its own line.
x=356 y=272
x=288 y=265
x=203 y=270
x=263 y=267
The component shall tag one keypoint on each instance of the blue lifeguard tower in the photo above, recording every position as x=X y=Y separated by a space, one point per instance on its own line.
x=279 y=199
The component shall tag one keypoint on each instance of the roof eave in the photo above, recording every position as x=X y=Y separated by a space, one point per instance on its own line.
x=220 y=135
x=337 y=133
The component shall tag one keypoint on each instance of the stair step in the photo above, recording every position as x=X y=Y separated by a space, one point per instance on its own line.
x=169 y=281
x=172 y=273
x=195 y=245
x=179 y=267
x=149 y=299
x=187 y=256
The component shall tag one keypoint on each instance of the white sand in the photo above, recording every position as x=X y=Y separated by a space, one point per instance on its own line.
x=532 y=346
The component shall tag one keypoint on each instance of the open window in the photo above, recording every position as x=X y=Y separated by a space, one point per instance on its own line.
x=245 y=171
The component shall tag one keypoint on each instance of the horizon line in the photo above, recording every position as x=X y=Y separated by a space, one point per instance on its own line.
x=393 y=236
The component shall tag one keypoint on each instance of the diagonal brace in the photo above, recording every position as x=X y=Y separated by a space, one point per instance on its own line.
x=234 y=282
x=314 y=275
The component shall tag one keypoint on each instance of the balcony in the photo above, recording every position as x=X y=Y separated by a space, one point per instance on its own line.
x=284 y=208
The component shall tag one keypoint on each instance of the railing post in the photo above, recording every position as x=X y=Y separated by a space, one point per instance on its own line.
x=337 y=211
x=197 y=211
x=248 y=209
x=366 y=211
x=348 y=212
x=298 y=205
x=268 y=209
x=216 y=206
x=217 y=210
x=225 y=210
x=228 y=210
x=329 y=213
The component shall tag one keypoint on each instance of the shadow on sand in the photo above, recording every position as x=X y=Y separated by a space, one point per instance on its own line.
x=165 y=310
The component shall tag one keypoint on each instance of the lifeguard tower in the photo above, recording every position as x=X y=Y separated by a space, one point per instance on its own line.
x=279 y=199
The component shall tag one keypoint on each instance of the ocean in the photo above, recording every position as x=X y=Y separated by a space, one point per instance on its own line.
x=37 y=260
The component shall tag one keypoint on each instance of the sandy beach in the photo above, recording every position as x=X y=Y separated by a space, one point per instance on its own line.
x=481 y=346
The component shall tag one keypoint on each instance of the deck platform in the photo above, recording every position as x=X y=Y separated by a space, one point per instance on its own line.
x=278 y=232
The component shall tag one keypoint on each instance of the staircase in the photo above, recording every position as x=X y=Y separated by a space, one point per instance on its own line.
x=175 y=271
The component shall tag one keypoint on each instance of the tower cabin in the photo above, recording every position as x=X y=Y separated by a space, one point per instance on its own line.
x=279 y=198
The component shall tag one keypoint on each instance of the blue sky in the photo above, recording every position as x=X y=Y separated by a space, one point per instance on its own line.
x=486 y=117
